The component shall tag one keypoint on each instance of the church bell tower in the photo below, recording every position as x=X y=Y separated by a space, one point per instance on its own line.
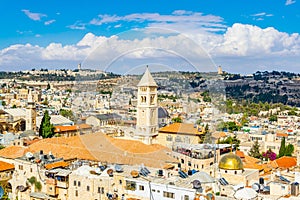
x=30 y=113
x=147 y=109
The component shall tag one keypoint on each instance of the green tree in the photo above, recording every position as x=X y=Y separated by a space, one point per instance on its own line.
x=67 y=113
x=289 y=150
x=176 y=120
x=273 y=118
x=46 y=128
x=230 y=140
x=199 y=121
x=254 y=151
x=3 y=103
x=206 y=97
x=231 y=126
x=282 y=148
x=45 y=102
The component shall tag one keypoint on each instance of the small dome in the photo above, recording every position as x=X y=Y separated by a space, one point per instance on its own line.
x=231 y=162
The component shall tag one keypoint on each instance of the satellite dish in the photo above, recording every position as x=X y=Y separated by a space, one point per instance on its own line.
x=118 y=168
x=29 y=155
x=196 y=184
x=110 y=172
x=134 y=173
x=256 y=187
x=98 y=171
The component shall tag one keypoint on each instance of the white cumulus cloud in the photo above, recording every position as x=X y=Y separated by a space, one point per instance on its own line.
x=289 y=2
x=241 y=47
x=49 y=22
x=34 y=16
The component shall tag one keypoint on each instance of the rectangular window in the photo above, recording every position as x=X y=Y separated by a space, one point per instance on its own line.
x=76 y=193
x=130 y=185
x=141 y=187
x=178 y=139
x=170 y=195
x=74 y=183
x=99 y=189
x=169 y=138
x=78 y=183
x=87 y=188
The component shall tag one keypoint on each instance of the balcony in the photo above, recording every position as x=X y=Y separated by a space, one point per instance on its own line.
x=62 y=184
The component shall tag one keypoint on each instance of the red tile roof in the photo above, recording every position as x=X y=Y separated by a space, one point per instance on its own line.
x=56 y=165
x=12 y=152
x=240 y=154
x=279 y=134
x=60 y=129
x=181 y=128
x=4 y=166
x=102 y=148
x=286 y=162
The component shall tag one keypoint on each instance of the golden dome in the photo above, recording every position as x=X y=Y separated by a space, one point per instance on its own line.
x=231 y=162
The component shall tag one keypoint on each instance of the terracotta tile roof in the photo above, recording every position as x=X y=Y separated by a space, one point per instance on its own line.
x=240 y=154
x=253 y=166
x=67 y=148
x=12 y=152
x=181 y=128
x=250 y=159
x=29 y=142
x=286 y=162
x=84 y=126
x=280 y=134
x=4 y=166
x=102 y=148
x=56 y=165
x=59 y=129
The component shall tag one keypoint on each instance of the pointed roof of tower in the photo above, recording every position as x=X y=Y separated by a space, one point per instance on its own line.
x=147 y=79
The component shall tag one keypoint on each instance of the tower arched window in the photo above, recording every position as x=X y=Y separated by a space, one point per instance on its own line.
x=152 y=99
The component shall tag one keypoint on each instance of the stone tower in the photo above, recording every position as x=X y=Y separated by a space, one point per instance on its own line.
x=220 y=71
x=147 y=109
x=30 y=113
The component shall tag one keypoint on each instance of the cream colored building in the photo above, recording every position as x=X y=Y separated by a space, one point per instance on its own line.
x=180 y=133
x=86 y=183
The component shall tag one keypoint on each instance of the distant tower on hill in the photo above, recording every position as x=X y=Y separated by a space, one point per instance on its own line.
x=220 y=71
x=30 y=113
x=147 y=109
x=79 y=66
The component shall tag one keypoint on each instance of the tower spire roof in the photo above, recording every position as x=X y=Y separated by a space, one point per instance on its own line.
x=147 y=79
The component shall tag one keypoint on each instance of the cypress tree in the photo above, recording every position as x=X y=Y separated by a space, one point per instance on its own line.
x=46 y=128
x=254 y=151
x=282 y=148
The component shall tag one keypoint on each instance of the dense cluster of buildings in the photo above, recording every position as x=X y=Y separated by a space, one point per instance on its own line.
x=128 y=147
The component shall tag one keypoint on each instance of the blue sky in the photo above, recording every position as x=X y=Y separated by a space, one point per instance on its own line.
x=242 y=36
